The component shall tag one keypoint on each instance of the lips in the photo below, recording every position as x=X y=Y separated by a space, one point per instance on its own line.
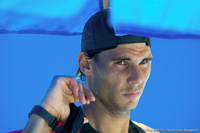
x=132 y=94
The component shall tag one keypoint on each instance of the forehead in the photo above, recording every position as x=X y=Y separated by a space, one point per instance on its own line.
x=129 y=49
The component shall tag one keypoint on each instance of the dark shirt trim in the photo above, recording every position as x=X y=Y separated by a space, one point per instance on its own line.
x=133 y=128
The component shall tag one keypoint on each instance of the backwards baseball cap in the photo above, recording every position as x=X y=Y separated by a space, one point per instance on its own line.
x=98 y=35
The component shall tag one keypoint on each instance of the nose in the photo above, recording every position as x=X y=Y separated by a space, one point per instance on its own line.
x=135 y=75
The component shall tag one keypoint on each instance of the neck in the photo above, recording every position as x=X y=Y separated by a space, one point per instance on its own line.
x=104 y=120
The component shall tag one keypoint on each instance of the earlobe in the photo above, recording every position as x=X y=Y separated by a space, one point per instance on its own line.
x=84 y=63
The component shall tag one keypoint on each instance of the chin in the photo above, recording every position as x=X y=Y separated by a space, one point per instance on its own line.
x=132 y=105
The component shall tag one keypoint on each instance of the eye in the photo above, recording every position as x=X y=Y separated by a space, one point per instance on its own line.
x=144 y=62
x=121 y=62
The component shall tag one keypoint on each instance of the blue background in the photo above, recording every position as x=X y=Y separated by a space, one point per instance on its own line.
x=29 y=62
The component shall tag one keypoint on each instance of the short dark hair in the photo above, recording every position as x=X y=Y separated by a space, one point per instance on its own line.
x=94 y=55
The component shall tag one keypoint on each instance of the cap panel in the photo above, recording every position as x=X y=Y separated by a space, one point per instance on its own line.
x=98 y=35
x=88 y=42
x=104 y=35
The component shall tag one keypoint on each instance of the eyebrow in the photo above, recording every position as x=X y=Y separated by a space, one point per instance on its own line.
x=148 y=59
x=125 y=58
x=120 y=59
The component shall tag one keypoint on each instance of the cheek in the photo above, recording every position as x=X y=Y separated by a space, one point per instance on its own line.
x=105 y=80
x=146 y=73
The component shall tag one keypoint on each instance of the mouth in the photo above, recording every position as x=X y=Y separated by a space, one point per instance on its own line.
x=132 y=94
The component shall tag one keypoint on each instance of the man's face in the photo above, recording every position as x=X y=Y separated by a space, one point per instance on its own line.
x=120 y=75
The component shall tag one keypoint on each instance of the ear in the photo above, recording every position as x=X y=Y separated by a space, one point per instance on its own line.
x=84 y=64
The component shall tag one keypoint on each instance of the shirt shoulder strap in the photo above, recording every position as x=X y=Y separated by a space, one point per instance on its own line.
x=145 y=128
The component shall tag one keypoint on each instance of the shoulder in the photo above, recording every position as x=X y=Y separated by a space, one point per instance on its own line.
x=145 y=128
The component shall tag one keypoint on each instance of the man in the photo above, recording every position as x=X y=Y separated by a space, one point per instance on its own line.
x=116 y=69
